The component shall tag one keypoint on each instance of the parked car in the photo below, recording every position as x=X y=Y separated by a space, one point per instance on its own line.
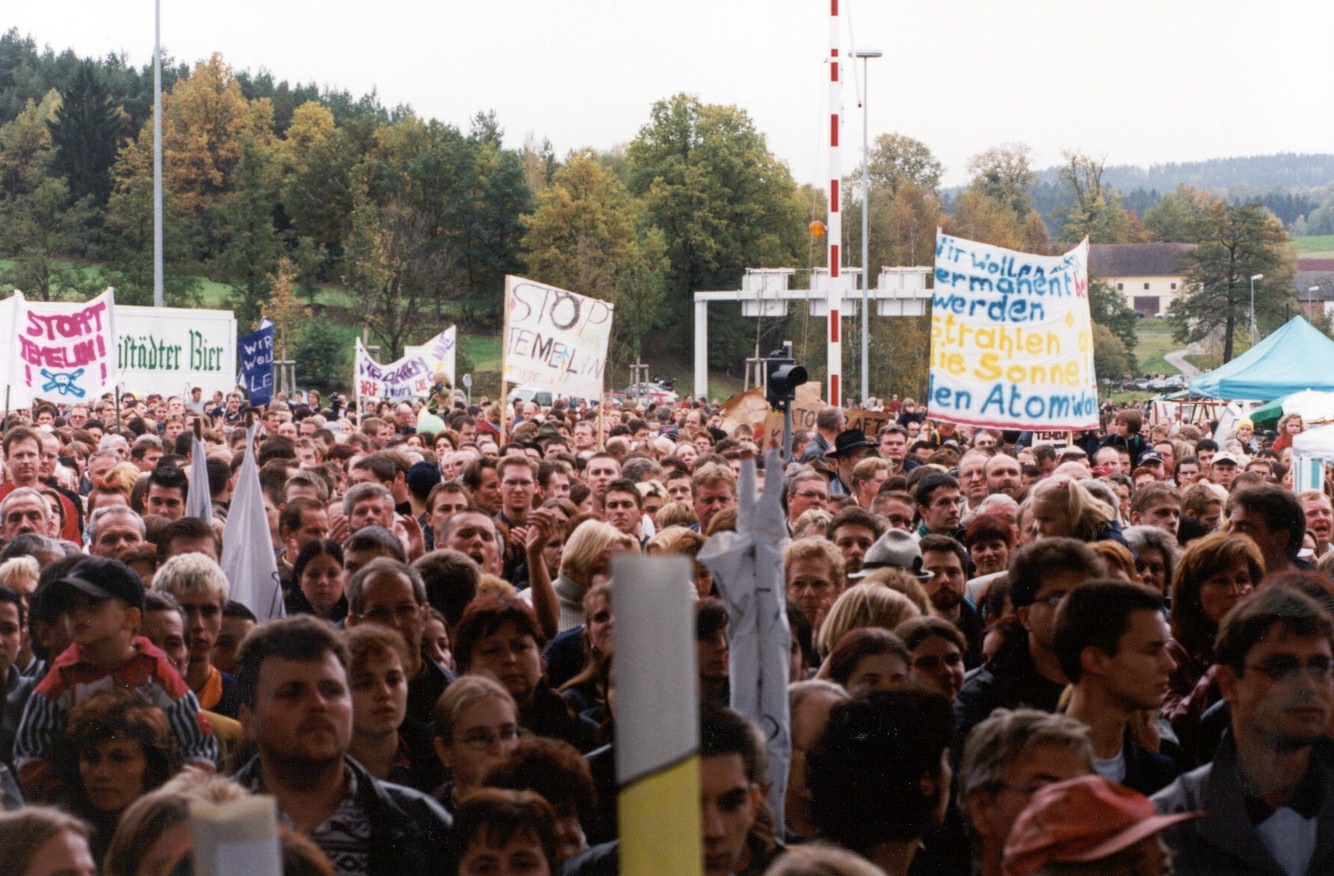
x=653 y=392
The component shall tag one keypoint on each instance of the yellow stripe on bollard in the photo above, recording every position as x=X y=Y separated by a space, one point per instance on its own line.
x=658 y=833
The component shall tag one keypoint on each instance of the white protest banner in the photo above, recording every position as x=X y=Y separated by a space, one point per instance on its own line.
x=438 y=352
x=63 y=351
x=1011 y=338
x=400 y=380
x=9 y=318
x=555 y=340
x=165 y=349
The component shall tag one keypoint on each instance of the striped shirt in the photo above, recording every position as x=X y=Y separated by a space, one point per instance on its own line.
x=148 y=675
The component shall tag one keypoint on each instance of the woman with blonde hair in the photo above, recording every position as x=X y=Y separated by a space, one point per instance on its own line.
x=1289 y=427
x=812 y=524
x=687 y=543
x=863 y=605
x=901 y=581
x=476 y=728
x=585 y=561
x=122 y=477
x=868 y=476
x=1062 y=508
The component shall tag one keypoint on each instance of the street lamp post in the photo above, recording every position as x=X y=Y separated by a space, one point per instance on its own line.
x=865 y=55
x=1309 y=291
x=1254 y=277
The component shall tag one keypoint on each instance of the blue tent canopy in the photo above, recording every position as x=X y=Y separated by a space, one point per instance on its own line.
x=1298 y=356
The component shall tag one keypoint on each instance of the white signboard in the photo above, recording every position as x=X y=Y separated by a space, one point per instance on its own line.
x=166 y=349
x=554 y=339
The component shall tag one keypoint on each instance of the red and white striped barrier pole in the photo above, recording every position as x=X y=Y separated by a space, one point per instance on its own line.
x=835 y=230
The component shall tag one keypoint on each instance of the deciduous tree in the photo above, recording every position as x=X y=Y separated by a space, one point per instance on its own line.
x=1005 y=175
x=723 y=203
x=1096 y=211
x=1234 y=243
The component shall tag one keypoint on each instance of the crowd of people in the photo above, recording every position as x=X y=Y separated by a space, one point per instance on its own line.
x=1110 y=654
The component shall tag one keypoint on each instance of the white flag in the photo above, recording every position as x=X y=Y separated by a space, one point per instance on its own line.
x=199 y=500
x=247 y=548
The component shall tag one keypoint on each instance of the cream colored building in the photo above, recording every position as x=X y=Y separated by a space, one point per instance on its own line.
x=1149 y=276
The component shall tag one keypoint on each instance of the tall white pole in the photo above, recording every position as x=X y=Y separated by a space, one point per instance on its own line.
x=157 y=153
x=835 y=230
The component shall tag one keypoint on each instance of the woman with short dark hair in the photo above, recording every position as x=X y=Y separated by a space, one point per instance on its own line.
x=500 y=635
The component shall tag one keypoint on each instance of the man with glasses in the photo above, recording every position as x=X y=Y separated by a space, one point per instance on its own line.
x=1268 y=796
x=806 y=489
x=1025 y=672
x=391 y=594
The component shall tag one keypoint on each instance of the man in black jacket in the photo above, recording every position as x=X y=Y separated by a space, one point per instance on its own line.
x=1268 y=796
x=296 y=707
x=1111 y=639
x=1025 y=672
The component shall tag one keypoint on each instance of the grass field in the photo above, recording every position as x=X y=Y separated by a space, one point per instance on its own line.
x=1318 y=247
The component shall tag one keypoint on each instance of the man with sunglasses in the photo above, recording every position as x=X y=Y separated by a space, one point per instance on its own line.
x=1268 y=796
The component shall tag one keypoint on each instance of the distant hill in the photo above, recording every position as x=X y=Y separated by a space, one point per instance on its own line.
x=1230 y=176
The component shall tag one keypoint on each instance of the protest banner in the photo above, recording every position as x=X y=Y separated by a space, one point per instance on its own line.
x=61 y=351
x=554 y=339
x=1011 y=338
x=400 y=380
x=168 y=349
x=256 y=374
x=439 y=352
x=869 y=422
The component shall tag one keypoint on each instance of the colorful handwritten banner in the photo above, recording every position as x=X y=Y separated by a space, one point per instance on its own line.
x=439 y=352
x=256 y=374
x=1011 y=338
x=64 y=352
x=555 y=340
x=400 y=380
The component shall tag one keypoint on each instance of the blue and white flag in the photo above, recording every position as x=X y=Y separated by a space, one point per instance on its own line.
x=256 y=374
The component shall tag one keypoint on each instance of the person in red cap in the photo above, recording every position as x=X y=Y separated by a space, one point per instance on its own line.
x=1088 y=825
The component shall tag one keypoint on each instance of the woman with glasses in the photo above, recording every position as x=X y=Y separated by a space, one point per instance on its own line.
x=1214 y=574
x=476 y=729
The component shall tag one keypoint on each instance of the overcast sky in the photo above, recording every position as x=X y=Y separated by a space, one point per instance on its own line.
x=1131 y=81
